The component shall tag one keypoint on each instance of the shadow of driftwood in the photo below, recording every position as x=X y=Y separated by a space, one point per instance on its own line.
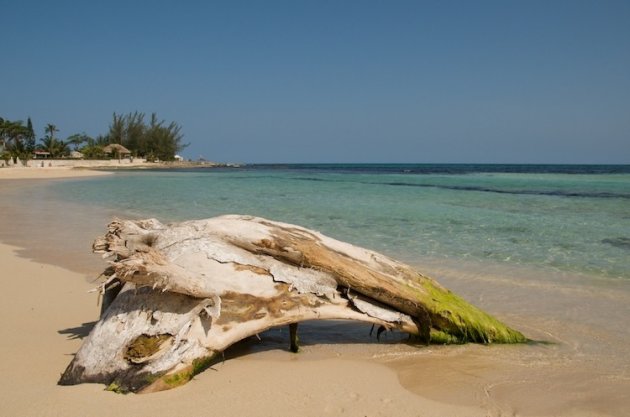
x=78 y=332
x=327 y=332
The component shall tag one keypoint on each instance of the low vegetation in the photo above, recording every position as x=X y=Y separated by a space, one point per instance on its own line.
x=153 y=140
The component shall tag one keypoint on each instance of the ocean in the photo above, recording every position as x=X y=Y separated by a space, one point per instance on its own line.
x=559 y=217
x=545 y=248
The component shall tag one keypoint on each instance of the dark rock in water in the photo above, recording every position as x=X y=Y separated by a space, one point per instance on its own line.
x=619 y=242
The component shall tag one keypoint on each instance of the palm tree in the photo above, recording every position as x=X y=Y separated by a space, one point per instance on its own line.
x=14 y=134
x=51 y=129
x=54 y=147
x=77 y=140
x=50 y=144
x=15 y=131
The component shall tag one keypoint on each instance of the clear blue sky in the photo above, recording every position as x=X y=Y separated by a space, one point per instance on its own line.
x=332 y=81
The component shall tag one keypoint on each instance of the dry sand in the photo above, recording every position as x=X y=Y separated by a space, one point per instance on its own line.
x=46 y=172
x=45 y=311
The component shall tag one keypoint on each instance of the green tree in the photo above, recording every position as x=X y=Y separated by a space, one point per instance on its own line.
x=100 y=140
x=56 y=148
x=155 y=140
x=93 y=148
x=4 y=139
x=3 y=134
x=93 y=151
x=164 y=141
x=51 y=129
x=135 y=133
x=29 y=144
x=14 y=133
x=77 y=140
x=116 y=132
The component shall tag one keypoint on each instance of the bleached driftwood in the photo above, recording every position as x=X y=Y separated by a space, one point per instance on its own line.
x=192 y=289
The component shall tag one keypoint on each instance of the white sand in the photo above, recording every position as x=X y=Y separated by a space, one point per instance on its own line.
x=46 y=172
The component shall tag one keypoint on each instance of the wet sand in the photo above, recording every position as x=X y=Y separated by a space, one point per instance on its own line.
x=581 y=370
x=578 y=364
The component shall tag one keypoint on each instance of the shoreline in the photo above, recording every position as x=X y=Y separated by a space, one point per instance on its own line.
x=90 y=168
x=345 y=371
x=23 y=173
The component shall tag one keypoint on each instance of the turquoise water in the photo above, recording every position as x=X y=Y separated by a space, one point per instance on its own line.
x=565 y=218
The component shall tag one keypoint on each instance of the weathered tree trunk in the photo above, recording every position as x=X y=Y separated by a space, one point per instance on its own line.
x=192 y=289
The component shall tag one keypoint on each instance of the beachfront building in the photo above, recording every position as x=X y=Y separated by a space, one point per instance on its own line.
x=41 y=155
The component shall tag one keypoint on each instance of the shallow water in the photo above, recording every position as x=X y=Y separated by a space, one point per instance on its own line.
x=545 y=251
x=51 y=229
x=566 y=222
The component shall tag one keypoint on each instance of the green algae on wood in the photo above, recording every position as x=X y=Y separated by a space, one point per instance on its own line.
x=145 y=346
x=180 y=376
x=462 y=322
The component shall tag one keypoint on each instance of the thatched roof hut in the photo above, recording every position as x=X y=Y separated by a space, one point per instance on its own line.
x=116 y=149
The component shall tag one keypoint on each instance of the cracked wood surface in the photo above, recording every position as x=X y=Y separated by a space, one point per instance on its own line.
x=192 y=289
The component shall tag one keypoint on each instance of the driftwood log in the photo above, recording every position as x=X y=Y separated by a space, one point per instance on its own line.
x=178 y=295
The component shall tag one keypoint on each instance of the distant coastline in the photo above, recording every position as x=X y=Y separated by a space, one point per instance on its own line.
x=57 y=168
x=166 y=165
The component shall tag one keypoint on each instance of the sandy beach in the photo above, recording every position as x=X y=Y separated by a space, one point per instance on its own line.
x=46 y=311
x=47 y=173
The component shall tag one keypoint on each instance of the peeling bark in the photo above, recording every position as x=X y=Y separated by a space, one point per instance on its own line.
x=192 y=289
